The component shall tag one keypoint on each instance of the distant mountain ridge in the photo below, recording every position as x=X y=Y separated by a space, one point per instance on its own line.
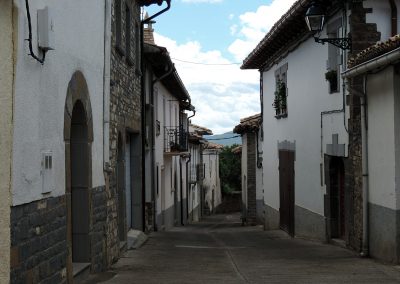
x=225 y=139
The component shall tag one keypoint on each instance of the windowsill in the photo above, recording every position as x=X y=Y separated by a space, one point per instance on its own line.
x=279 y=116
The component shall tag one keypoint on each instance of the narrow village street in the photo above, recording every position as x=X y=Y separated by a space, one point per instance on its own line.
x=220 y=250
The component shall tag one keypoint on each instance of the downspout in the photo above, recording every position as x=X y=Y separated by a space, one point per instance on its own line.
x=187 y=167
x=106 y=86
x=187 y=188
x=143 y=107
x=364 y=155
x=393 y=8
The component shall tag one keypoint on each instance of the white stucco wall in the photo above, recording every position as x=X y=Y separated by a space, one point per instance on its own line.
x=211 y=179
x=382 y=128
x=381 y=16
x=6 y=114
x=167 y=112
x=40 y=92
x=308 y=96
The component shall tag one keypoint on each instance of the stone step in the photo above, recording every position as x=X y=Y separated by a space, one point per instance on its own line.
x=81 y=271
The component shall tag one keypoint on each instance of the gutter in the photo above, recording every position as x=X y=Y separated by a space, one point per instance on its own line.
x=373 y=64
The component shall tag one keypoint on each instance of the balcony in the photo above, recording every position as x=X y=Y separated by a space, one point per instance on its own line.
x=175 y=140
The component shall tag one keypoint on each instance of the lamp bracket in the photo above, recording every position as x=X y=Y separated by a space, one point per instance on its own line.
x=342 y=43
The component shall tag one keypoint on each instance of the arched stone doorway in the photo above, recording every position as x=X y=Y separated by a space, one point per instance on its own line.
x=78 y=137
x=337 y=198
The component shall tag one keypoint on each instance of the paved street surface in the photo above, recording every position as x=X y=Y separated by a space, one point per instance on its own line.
x=220 y=250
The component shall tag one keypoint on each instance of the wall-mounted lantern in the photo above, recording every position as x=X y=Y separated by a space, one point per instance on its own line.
x=315 y=19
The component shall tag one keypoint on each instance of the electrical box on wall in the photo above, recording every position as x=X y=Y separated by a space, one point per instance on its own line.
x=45 y=29
x=47 y=172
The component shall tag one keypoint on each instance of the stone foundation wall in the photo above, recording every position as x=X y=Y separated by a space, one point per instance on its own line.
x=39 y=249
x=98 y=234
x=38 y=241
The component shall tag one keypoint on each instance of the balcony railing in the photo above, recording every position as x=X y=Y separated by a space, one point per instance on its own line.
x=175 y=139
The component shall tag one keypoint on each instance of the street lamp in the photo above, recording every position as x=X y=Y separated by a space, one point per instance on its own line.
x=315 y=19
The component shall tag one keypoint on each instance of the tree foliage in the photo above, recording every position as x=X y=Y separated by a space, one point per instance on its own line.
x=230 y=170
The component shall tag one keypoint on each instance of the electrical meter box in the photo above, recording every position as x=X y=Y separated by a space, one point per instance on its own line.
x=45 y=29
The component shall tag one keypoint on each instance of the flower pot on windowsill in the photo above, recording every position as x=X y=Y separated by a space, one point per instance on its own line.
x=331 y=77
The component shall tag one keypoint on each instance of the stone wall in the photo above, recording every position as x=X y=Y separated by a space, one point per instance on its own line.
x=39 y=250
x=251 y=214
x=98 y=233
x=363 y=35
x=125 y=102
x=38 y=241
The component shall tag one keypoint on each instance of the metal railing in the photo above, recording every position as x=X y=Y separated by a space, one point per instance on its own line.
x=175 y=139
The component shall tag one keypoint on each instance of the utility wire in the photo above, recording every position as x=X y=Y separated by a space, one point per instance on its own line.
x=214 y=139
x=199 y=63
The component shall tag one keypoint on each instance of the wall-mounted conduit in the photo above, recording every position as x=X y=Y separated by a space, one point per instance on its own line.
x=29 y=39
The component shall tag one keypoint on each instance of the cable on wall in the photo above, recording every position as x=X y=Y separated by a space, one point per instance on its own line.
x=31 y=53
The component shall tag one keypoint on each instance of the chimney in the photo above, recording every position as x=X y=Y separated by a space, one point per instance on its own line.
x=148 y=31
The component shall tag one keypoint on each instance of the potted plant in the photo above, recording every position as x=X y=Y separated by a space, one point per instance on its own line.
x=280 y=98
x=331 y=77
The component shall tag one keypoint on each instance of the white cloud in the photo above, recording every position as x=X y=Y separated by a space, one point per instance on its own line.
x=255 y=25
x=222 y=94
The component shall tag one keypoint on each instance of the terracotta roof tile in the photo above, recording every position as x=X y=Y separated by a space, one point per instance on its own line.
x=248 y=124
x=374 y=51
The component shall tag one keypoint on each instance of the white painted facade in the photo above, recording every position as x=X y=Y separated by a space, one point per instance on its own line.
x=384 y=129
x=308 y=96
x=40 y=93
x=168 y=191
x=315 y=115
x=212 y=182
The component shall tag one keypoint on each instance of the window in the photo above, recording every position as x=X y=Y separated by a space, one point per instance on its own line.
x=280 y=96
x=334 y=57
x=118 y=27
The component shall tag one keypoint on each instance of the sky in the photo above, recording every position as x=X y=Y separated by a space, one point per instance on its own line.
x=208 y=40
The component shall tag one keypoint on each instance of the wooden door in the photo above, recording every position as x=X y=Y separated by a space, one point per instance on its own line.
x=286 y=189
x=80 y=224
x=337 y=198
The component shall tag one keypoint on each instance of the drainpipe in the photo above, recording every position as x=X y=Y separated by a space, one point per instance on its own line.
x=187 y=166
x=106 y=86
x=364 y=136
x=143 y=107
x=187 y=187
x=393 y=8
